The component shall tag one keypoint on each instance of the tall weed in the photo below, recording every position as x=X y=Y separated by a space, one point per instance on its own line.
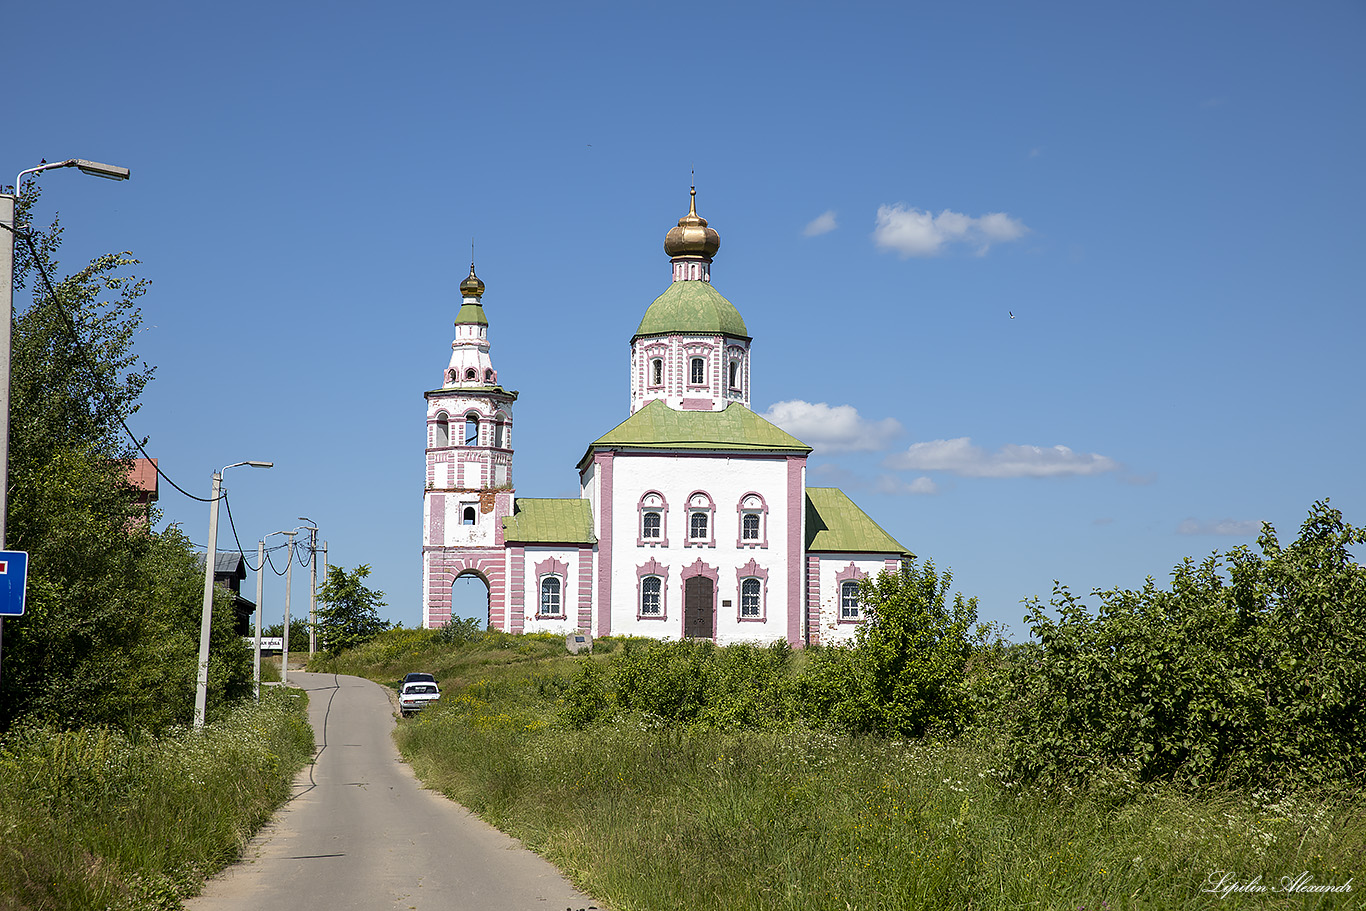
x=95 y=818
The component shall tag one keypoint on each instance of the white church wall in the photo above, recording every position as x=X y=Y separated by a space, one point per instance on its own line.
x=725 y=481
x=834 y=570
x=563 y=563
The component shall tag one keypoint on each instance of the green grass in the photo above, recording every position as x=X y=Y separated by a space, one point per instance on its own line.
x=647 y=815
x=93 y=818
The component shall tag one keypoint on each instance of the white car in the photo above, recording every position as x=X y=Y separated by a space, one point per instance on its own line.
x=414 y=697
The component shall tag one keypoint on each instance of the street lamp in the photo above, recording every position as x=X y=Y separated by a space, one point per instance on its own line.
x=201 y=693
x=312 y=585
x=7 y=202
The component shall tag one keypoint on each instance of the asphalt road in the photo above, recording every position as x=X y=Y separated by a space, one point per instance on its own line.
x=361 y=832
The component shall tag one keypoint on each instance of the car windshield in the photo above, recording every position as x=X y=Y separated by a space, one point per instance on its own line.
x=420 y=688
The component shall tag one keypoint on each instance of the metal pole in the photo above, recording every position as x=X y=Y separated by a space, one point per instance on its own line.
x=6 y=325
x=313 y=594
x=289 y=577
x=260 y=607
x=201 y=692
x=7 y=308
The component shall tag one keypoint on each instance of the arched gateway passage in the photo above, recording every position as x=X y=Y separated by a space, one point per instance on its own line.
x=470 y=598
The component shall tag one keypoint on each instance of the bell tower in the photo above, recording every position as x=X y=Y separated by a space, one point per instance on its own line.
x=469 y=467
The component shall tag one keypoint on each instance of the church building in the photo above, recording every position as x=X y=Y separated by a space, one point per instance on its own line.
x=694 y=518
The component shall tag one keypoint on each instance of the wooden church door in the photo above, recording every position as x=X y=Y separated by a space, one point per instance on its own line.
x=697 y=608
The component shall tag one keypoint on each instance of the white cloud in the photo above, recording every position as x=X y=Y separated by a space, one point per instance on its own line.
x=821 y=224
x=962 y=458
x=921 y=486
x=1243 y=528
x=911 y=232
x=833 y=428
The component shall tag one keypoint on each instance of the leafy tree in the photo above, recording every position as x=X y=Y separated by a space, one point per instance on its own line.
x=103 y=637
x=907 y=669
x=1249 y=670
x=351 y=616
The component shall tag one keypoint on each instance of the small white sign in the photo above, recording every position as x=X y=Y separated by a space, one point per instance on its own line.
x=268 y=643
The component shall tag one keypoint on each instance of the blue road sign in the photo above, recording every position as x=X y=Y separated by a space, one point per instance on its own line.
x=13 y=581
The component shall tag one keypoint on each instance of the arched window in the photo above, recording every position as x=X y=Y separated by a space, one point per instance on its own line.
x=443 y=430
x=550 y=597
x=471 y=429
x=650 y=602
x=469 y=373
x=698 y=374
x=657 y=372
x=654 y=513
x=753 y=519
x=700 y=514
x=850 y=609
x=488 y=374
x=735 y=374
x=751 y=599
x=498 y=432
x=468 y=516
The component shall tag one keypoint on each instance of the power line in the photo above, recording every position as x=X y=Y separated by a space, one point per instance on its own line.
x=94 y=373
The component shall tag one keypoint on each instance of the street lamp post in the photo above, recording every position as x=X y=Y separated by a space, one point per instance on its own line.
x=7 y=221
x=201 y=693
x=260 y=608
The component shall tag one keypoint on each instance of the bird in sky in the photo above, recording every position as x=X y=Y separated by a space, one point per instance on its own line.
x=1012 y=313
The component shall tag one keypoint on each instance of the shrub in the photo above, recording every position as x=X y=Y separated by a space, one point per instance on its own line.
x=1250 y=670
x=905 y=672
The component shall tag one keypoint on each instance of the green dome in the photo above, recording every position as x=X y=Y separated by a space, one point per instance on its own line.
x=692 y=306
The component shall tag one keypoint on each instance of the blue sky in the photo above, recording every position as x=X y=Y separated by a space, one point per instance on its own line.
x=1166 y=196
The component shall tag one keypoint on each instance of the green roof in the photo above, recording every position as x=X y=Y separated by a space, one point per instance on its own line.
x=546 y=521
x=737 y=429
x=834 y=523
x=692 y=306
x=471 y=313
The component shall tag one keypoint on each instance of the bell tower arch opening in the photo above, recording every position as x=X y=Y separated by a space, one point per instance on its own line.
x=470 y=598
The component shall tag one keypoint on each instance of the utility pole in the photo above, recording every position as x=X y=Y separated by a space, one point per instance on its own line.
x=260 y=608
x=313 y=585
x=289 y=577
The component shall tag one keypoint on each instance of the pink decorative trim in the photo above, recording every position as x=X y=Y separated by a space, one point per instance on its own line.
x=437 y=533
x=443 y=565
x=751 y=570
x=559 y=569
x=762 y=512
x=696 y=404
x=663 y=510
x=653 y=567
x=796 y=513
x=813 y=599
x=702 y=569
x=604 y=462
x=517 y=591
x=850 y=573
x=710 y=510
x=552 y=567
x=586 y=588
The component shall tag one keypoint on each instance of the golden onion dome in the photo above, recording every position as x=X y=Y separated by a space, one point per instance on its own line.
x=472 y=286
x=692 y=237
